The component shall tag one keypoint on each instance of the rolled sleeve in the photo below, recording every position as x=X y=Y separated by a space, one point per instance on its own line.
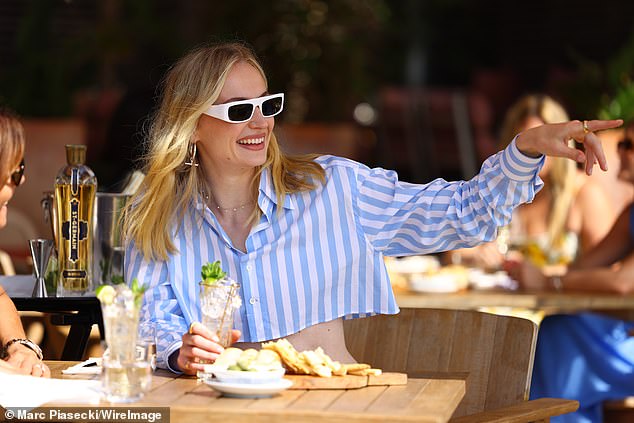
x=518 y=166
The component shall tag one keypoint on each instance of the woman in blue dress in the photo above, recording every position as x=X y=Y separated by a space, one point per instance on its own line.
x=589 y=357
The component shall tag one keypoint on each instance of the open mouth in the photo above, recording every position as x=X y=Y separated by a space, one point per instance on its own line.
x=251 y=141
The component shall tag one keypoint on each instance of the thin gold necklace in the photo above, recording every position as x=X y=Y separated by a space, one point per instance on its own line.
x=229 y=209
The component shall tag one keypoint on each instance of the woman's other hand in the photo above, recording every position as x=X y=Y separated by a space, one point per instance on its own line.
x=533 y=278
x=552 y=140
x=486 y=256
x=199 y=343
x=25 y=361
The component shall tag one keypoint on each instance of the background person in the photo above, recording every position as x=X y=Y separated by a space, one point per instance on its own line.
x=568 y=216
x=19 y=354
x=589 y=357
x=304 y=236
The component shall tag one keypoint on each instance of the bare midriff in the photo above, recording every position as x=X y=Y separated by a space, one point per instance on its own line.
x=328 y=335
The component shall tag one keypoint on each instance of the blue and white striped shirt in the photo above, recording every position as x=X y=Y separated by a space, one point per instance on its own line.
x=322 y=257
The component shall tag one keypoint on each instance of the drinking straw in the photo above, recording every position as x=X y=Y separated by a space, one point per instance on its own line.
x=224 y=313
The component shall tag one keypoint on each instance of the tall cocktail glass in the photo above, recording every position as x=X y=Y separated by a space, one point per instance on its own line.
x=126 y=370
x=218 y=301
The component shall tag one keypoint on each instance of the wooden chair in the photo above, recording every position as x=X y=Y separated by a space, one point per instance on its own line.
x=493 y=353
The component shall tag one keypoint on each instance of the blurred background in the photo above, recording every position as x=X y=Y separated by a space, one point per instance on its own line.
x=420 y=86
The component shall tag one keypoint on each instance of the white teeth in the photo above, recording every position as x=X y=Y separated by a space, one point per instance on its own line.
x=252 y=141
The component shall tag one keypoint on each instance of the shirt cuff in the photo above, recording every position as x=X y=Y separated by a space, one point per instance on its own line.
x=168 y=352
x=517 y=165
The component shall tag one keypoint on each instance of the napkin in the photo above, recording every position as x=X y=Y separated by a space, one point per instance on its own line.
x=92 y=366
x=30 y=392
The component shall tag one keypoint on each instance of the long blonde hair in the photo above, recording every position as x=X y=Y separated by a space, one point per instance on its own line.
x=561 y=178
x=192 y=85
x=11 y=142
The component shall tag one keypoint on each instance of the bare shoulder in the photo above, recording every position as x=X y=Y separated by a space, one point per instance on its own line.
x=592 y=195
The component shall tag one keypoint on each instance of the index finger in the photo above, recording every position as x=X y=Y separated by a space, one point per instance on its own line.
x=600 y=125
x=197 y=328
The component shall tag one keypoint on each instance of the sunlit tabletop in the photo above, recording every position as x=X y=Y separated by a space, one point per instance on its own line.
x=421 y=400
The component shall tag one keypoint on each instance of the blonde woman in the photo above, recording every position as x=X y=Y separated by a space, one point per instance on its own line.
x=19 y=354
x=572 y=213
x=304 y=236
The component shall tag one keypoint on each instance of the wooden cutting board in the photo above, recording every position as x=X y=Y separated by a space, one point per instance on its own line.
x=346 y=382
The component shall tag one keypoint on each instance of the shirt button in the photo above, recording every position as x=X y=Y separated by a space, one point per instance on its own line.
x=249 y=267
x=253 y=300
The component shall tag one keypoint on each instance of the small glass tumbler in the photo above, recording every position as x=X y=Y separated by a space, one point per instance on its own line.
x=147 y=338
x=126 y=381
x=218 y=301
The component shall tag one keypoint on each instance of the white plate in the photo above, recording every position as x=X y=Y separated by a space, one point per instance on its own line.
x=249 y=390
x=235 y=376
x=440 y=283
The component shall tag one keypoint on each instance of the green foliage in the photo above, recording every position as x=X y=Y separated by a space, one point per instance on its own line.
x=51 y=276
x=621 y=106
x=212 y=273
x=321 y=54
x=52 y=65
x=117 y=279
x=604 y=90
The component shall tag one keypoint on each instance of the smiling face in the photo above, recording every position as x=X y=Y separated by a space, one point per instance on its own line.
x=236 y=147
x=11 y=154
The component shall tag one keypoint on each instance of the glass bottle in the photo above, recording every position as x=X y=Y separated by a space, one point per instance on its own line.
x=75 y=190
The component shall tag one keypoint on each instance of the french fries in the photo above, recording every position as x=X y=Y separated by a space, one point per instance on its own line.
x=316 y=362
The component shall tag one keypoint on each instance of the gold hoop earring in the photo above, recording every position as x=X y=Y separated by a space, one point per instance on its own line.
x=192 y=156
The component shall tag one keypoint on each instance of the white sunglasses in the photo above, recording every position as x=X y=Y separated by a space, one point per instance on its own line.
x=242 y=110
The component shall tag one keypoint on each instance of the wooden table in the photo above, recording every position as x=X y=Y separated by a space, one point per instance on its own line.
x=421 y=400
x=549 y=302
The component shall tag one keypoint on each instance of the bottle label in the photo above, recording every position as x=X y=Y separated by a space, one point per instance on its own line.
x=74 y=274
x=74 y=230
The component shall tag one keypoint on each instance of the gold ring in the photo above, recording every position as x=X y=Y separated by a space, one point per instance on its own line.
x=187 y=364
x=585 y=127
x=191 y=328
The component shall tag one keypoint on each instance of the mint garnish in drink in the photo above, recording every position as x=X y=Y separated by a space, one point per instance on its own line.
x=212 y=273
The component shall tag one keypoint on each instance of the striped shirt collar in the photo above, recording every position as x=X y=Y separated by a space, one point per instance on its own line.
x=267 y=197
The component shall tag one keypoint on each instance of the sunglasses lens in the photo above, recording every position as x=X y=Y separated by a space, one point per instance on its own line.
x=240 y=112
x=16 y=176
x=625 y=144
x=272 y=106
